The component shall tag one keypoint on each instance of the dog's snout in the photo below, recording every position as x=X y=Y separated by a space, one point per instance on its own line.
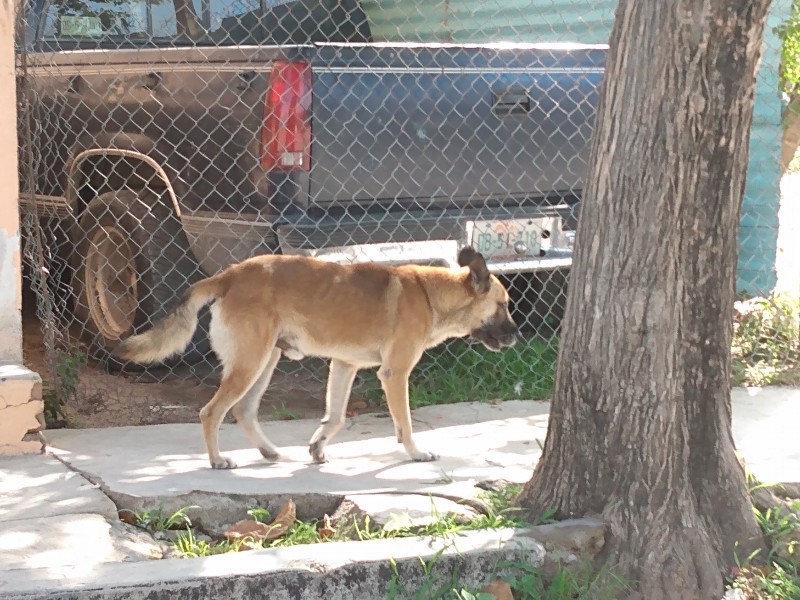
x=512 y=333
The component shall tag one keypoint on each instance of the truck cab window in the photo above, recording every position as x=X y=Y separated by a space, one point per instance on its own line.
x=81 y=20
x=114 y=23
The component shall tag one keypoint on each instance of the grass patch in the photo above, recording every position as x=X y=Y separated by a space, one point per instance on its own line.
x=579 y=582
x=766 y=341
x=462 y=372
x=500 y=513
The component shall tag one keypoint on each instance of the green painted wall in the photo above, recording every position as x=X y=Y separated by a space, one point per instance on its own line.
x=590 y=21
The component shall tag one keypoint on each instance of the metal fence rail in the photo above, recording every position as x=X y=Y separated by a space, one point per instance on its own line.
x=162 y=140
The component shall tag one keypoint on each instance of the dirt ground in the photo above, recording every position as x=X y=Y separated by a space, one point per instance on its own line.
x=103 y=399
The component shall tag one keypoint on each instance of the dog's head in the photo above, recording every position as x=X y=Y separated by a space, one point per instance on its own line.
x=490 y=320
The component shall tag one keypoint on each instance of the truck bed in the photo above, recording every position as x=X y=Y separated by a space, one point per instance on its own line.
x=451 y=124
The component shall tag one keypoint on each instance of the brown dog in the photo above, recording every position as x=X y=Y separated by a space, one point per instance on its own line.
x=361 y=315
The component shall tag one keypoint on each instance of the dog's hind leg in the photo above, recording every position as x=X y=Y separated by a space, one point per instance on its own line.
x=246 y=410
x=340 y=382
x=239 y=375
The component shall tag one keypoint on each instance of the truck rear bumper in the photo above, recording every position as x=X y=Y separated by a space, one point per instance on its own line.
x=218 y=240
x=436 y=253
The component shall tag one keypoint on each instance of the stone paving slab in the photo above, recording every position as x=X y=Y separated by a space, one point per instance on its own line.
x=766 y=430
x=476 y=441
x=76 y=542
x=36 y=486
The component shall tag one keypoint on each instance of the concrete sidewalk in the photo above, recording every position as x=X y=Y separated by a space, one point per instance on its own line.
x=58 y=521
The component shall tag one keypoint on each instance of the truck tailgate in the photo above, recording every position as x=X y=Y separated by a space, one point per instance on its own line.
x=453 y=123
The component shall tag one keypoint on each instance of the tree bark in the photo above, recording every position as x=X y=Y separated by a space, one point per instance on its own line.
x=640 y=423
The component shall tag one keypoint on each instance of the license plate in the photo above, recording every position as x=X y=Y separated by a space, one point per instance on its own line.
x=508 y=239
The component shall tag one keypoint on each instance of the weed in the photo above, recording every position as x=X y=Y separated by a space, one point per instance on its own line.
x=368 y=531
x=281 y=413
x=779 y=525
x=52 y=407
x=777 y=578
x=157 y=520
x=429 y=588
x=504 y=513
x=301 y=532
x=766 y=341
x=67 y=370
x=580 y=582
x=775 y=582
x=258 y=514
x=188 y=546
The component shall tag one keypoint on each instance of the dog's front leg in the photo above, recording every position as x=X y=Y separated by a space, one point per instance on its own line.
x=340 y=382
x=395 y=386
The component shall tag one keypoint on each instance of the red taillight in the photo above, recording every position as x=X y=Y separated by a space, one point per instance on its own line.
x=286 y=130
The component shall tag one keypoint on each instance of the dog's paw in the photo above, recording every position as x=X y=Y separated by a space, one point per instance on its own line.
x=317 y=452
x=271 y=454
x=422 y=456
x=222 y=463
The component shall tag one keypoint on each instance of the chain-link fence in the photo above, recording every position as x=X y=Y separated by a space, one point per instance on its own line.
x=162 y=140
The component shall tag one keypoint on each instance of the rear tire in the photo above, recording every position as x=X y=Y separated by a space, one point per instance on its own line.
x=131 y=264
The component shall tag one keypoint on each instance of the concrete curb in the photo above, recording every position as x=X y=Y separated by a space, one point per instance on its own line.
x=339 y=570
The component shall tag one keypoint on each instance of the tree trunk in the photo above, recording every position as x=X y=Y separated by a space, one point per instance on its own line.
x=640 y=423
x=791 y=132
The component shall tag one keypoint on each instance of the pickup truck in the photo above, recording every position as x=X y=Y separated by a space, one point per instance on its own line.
x=166 y=139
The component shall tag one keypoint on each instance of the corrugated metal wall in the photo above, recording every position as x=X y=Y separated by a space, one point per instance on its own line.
x=590 y=21
x=489 y=20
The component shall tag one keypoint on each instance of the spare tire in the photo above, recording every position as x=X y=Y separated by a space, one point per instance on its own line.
x=130 y=266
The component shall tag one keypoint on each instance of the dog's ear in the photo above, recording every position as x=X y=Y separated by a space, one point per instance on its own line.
x=478 y=271
x=466 y=255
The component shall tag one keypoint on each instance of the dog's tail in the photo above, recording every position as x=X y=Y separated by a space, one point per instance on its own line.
x=173 y=333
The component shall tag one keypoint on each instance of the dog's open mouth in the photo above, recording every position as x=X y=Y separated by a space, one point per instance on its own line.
x=494 y=341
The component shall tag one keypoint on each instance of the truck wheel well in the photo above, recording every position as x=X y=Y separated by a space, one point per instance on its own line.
x=98 y=174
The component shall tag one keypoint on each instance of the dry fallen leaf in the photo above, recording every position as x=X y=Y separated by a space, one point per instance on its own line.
x=499 y=589
x=285 y=519
x=358 y=405
x=128 y=517
x=247 y=528
x=326 y=530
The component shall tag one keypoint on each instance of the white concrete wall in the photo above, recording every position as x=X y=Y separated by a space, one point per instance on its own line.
x=10 y=278
x=20 y=389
